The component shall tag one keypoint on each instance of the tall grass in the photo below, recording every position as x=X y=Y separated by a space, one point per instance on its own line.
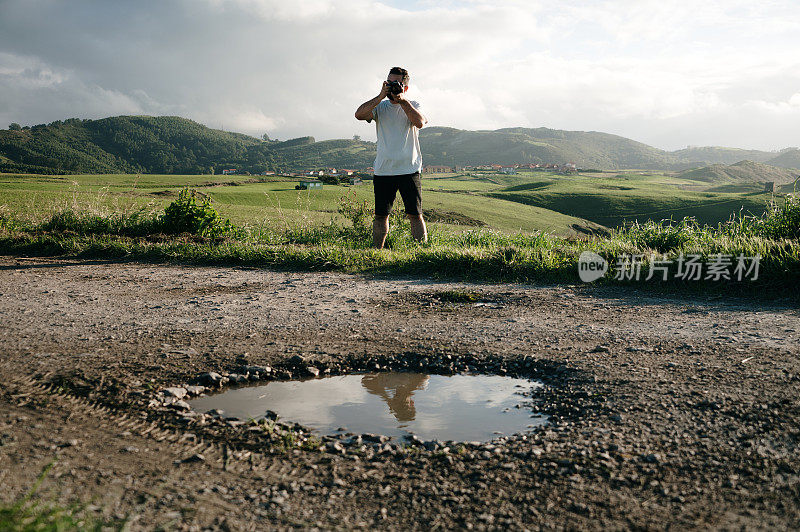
x=32 y=514
x=200 y=235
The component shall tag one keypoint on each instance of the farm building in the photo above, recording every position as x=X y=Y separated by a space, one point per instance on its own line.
x=433 y=169
x=307 y=184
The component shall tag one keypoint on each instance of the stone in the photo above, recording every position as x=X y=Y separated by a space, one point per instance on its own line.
x=259 y=370
x=177 y=392
x=197 y=457
x=180 y=405
x=211 y=378
x=311 y=370
x=195 y=390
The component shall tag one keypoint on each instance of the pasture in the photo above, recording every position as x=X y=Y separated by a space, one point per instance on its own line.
x=563 y=205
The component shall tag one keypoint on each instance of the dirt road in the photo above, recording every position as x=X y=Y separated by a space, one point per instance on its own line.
x=664 y=412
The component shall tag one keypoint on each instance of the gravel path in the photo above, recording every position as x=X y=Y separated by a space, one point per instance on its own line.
x=664 y=412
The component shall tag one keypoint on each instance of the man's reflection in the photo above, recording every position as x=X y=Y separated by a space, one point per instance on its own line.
x=403 y=385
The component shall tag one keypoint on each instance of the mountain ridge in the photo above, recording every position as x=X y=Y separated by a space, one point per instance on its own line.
x=176 y=145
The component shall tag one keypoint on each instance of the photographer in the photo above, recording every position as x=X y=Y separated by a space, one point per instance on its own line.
x=399 y=160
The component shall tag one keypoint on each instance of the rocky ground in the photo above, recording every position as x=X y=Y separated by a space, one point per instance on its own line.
x=665 y=412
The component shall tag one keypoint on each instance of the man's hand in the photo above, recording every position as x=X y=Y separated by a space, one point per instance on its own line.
x=364 y=111
x=414 y=116
x=384 y=90
x=399 y=98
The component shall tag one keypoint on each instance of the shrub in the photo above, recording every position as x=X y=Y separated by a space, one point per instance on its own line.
x=188 y=215
x=782 y=220
x=662 y=236
x=359 y=213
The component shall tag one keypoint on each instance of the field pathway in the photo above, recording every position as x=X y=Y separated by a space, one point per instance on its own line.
x=677 y=411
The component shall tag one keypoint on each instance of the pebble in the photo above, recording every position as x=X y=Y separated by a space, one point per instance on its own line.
x=176 y=392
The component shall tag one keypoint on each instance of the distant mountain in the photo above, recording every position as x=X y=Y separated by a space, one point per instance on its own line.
x=174 y=145
x=788 y=158
x=705 y=155
x=741 y=172
x=166 y=145
x=448 y=146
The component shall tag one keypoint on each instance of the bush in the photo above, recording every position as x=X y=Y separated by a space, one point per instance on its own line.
x=782 y=220
x=188 y=215
x=662 y=236
x=359 y=213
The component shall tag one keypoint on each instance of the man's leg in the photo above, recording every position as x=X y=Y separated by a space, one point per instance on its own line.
x=411 y=192
x=418 y=229
x=380 y=228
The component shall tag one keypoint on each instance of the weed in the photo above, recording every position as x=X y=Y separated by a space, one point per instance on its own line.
x=188 y=215
x=29 y=514
x=459 y=296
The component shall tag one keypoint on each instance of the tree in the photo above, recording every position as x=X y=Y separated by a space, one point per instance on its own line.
x=265 y=137
x=357 y=137
x=14 y=127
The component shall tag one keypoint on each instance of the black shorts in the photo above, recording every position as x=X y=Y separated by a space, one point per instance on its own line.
x=386 y=187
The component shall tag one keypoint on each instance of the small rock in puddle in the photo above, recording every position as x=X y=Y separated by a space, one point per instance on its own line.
x=396 y=404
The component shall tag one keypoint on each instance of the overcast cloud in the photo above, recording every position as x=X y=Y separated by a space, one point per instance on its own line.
x=668 y=73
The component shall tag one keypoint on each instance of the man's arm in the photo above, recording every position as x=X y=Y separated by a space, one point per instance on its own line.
x=364 y=111
x=414 y=116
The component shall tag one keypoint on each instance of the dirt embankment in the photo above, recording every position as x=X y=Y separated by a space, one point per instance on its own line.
x=665 y=412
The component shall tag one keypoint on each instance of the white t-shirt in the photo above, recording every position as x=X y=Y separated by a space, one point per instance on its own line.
x=398 y=140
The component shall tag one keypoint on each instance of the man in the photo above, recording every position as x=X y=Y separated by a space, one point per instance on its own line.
x=399 y=159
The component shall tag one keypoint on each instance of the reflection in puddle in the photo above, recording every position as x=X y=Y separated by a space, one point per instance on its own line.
x=458 y=407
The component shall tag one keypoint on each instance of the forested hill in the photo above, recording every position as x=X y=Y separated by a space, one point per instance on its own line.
x=174 y=145
x=164 y=145
x=587 y=149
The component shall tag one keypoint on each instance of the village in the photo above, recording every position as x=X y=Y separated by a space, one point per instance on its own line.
x=316 y=178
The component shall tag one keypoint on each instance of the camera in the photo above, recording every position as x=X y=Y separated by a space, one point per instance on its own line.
x=395 y=87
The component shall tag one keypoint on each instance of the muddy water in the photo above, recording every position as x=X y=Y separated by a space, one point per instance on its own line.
x=458 y=407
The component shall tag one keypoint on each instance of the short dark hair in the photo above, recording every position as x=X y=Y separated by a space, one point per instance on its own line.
x=401 y=72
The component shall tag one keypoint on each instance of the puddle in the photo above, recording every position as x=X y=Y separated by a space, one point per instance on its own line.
x=433 y=407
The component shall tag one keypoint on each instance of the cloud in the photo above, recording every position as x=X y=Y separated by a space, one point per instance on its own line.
x=635 y=68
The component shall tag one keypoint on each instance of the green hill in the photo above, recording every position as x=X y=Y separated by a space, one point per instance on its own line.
x=741 y=172
x=174 y=145
x=613 y=201
x=587 y=149
x=706 y=155
x=788 y=158
x=165 y=145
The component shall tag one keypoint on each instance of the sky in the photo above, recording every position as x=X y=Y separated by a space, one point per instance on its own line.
x=664 y=72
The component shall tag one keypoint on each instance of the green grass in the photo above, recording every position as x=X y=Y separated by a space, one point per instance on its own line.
x=529 y=201
x=476 y=255
x=275 y=225
x=32 y=514
x=615 y=201
x=246 y=202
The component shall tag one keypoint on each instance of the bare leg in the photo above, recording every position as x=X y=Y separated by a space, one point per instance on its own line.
x=418 y=229
x=380 y=228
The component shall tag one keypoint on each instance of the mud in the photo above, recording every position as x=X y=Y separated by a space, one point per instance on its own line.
x=663 y=412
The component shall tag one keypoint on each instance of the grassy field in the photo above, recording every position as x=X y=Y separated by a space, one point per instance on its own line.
x=273 y=224
x=564 y=205
x=614 y=200
x=273 y=201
